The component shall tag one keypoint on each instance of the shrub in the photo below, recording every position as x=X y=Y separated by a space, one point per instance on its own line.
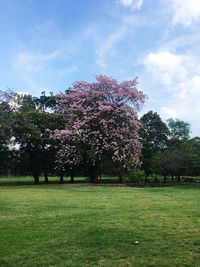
x=135 y=176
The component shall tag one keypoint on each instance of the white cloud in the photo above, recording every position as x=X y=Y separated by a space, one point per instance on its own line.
x=177 y=74
x=169 y=112
x=105 y=47
x=133 y=4
x=186 y=105
x=190 y=90
x=68 y=70
x=33 y=68
x=167 y=66
x=185 y=12
x=32 y=62
x=29 y=67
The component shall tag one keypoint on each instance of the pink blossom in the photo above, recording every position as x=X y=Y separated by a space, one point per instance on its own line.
x=101 y=117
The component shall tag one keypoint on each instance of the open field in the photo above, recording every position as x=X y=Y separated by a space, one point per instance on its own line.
x=74 y=225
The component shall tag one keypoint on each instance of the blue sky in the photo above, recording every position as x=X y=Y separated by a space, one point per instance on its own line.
x=49 y=44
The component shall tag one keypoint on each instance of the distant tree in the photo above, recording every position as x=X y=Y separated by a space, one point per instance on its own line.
x=174 y=159
x=45 y=102
x=5 y=136
x=6 y=129
x=32 y=131
x=192 y=155
x=171 y=161
x=179 y=130
x=101 y=120
x=154 y=137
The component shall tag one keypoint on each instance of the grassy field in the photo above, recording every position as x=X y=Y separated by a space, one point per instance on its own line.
x=28 y=180
x=74 y=225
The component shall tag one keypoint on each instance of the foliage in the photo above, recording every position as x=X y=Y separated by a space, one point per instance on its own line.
x=97 y=132
x=154 y=136
x=178 y=129
x=6 y=120
x=101 y=121
x=33 y=151
x=135 y=176
x=154 y=132
x=32 y=133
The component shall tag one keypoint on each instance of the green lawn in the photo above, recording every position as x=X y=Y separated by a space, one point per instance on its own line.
x=74 y=225
x=28 y=180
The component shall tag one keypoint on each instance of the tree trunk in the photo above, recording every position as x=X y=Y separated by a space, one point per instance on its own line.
x=46 y=179
x=146 y=178
x=100 y=175
x=178 y=178
x=94 y=173
x=61 y=177
x=121 y=177
x=72 y=175
x=36 y=179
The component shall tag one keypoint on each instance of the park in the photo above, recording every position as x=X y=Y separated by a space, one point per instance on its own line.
x=99 y=133
x=85 y=182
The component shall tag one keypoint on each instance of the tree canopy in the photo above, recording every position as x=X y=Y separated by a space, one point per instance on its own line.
x=92 y=129
x=102 y=120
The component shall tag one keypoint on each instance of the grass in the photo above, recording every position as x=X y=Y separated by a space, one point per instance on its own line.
x=74 y=225
x=28 y=180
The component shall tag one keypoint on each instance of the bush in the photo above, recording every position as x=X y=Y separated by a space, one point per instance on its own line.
x=135 y=176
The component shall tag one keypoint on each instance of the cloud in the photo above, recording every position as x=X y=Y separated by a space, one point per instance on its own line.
x=167 y=66
x=133 y=4
x=185 y=102
x=184 y=12
x=31 y=62
x=178 y=75
x=107 y=47
x=186 y=105
x=29 y=67
x=104 y=49
x=37 y=70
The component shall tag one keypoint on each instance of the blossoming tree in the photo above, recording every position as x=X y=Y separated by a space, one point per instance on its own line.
x=101 y=121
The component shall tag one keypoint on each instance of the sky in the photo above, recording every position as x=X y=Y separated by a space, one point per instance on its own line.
x=46 y=45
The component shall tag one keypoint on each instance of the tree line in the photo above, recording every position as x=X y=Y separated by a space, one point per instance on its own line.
x=93 y=129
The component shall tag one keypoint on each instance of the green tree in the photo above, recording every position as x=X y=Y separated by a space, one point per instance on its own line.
x=6 y=122
x=32 y=129
x=179 y=130
x=154 y=136
x=5 y=136
x=176 y=157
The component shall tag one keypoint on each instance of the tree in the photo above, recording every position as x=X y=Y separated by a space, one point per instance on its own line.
x=45 y=102
x=6 y=129
x=154 y=136
x=5 y=135
x=191 y=151
x=101 y=121
x=171 y=161
x=179 y=130
x=32 y=131
x=175 y=159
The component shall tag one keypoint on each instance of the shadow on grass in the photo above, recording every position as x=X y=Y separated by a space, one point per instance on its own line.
x=26 y=183
x=106 y=182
